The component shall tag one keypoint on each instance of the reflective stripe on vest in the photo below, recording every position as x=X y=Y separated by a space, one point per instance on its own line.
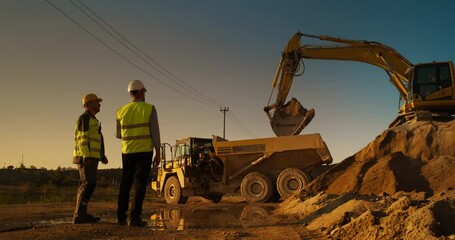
x=87 y=143
x=134 y=120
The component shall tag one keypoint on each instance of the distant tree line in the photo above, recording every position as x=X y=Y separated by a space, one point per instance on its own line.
x=23 y=185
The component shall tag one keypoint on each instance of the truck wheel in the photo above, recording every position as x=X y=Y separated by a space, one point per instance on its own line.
x=290 y=182
x=173 y=192
x=256 y=187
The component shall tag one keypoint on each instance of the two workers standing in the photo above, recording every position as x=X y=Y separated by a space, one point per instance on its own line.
x=137 y=127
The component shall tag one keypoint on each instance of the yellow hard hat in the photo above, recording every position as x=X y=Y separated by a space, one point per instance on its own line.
x=90 y=97
x=136 y=85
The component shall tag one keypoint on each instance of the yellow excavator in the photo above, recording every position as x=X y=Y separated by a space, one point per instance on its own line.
x=426 y=89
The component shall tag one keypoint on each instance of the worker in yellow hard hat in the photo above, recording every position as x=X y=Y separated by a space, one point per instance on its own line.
x=88 y=151
x=137 y=127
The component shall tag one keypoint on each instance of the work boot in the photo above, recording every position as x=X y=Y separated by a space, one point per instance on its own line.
x=87 y=218
x=137 y=223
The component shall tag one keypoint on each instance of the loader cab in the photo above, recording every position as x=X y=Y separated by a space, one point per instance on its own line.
x=432 y=87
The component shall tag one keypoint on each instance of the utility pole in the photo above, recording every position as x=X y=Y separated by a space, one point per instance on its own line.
x=22 y=161
x=224 y=110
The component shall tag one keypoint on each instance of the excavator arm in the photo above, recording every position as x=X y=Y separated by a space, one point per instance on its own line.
x=292 y=117
x=374 y=53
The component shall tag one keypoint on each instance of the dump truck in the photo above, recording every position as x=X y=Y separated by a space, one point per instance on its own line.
x=262 y=170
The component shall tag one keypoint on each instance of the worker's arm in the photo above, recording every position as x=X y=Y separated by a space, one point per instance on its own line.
x=83 y=128
x=118 y=130
x=155 y=134
x=103 y=159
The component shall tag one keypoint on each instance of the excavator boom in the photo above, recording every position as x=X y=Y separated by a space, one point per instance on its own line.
x=374 y=53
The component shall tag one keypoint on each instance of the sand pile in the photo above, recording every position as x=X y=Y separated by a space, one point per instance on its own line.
x=353 y=216
x=401 y=185
x=417 y=157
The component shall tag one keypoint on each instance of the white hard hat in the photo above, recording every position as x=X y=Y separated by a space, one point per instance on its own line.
x=136 y=85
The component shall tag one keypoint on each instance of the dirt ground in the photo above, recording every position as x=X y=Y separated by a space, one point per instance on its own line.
x=198 y=219
x=399 y=186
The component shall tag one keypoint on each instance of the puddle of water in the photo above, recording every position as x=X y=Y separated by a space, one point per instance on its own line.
x=225 y=217
x=181 y=217
x=53 y=222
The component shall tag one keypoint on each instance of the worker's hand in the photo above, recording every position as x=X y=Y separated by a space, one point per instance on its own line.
x=156 y=161
x=104 y=160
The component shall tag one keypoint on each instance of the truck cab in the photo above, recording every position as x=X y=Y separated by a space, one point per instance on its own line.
x=183 y=174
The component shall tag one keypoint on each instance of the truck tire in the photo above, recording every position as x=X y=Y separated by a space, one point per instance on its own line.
x=256 y=187
x=173 y=191
x=290 y=182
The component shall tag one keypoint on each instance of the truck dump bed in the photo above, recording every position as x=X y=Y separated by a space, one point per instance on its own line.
x=271 y=155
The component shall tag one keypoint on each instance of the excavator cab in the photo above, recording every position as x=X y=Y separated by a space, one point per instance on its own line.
x=432 y=82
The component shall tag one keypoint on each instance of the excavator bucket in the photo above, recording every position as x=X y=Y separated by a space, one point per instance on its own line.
x=291 y=118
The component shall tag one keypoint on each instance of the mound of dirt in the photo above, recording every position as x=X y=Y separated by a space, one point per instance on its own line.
x=401 y=185
x=353 y=216
x=417 y=157
x=404 y=219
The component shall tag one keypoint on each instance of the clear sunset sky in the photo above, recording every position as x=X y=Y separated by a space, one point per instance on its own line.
x=228 y=50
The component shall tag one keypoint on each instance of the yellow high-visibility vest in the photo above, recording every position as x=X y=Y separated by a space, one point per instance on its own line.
x=134 y=119
x=87 y=137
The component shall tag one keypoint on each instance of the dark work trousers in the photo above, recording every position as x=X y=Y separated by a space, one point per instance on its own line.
x=136 y=168
x=87 y=184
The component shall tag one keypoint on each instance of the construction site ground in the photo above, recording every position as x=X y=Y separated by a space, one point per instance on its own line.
x=233 y=218
x=401 y=185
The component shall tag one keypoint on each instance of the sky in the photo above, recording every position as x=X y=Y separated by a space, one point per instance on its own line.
x=226 y=50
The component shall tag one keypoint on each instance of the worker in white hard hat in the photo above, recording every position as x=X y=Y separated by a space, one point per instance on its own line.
x=138 y=128
x=88 y=151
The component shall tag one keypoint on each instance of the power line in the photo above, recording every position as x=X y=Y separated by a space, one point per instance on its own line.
x=206 y=100
x=240 y=125
x=151 y=59
x=186 y=87
x=125 y=58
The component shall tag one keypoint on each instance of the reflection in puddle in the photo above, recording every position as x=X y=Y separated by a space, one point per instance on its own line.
x=254 y=212
x=168 y=219
x=181 y=218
